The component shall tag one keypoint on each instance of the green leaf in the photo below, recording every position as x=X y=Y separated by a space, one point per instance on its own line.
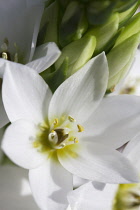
x=54 y=79
x=120 y=59
x=73 y=24
x=105 y=32
x=78 y=52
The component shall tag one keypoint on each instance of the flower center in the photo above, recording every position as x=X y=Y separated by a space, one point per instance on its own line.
x=5 y=54
x=61 y=133
x=127 y=197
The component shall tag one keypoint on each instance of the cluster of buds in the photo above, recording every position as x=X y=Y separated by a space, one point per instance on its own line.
x=83 y=29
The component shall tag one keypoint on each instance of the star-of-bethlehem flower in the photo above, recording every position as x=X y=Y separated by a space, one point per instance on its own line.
x=112 y=196
x=18 y=39
x=19 y=23
x=55 y=136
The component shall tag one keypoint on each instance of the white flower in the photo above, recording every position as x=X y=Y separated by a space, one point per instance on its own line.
x=45 y=56
x=19 y=23
x=58 y=135
x=111 y=197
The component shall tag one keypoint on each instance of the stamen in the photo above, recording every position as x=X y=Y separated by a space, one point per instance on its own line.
x=55 y=121
x=4 y=55
x=76 y=140
x=71 y=119
x=16 y=58
x=80 y=128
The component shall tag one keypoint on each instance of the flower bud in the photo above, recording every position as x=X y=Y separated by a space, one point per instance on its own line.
x=78 y=53
x=73 y=24
x=126 y=15
x=120 y=59
x=105 y=32
x=131 y=28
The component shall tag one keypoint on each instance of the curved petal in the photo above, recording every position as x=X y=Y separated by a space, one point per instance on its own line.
x=34 y=15
x=115 y=122
x=45 y=55
x=50 y=184
x=25 y=93
x=80 y=94
x=17 y=143
x=132 y=151
x=96 y=162
x=3 y=116
x=78 y=181
x=87 y=197
x=15 y=191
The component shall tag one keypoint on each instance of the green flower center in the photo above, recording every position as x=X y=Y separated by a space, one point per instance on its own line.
x=127 y=197
x=59 y=134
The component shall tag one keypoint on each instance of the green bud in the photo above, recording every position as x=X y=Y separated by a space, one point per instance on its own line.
x=131 y=28
x=73 y=24
x=98 y=12
x=125 y=16
x=120 y=59
x=124 y=5
x=49 y=25
x=105 y=32
x=78 y=53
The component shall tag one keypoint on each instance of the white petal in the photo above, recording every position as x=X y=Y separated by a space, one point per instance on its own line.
x=45 y=55
x=132 y=151
x=15 y=193
x=115 y=122
x=88 y=198
x=35 y=14
x=96 y=162
x=80 y=94
x=25 y=93
x=3 y=116
x=18 y=144
x=78 y=181
x=50 y=184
